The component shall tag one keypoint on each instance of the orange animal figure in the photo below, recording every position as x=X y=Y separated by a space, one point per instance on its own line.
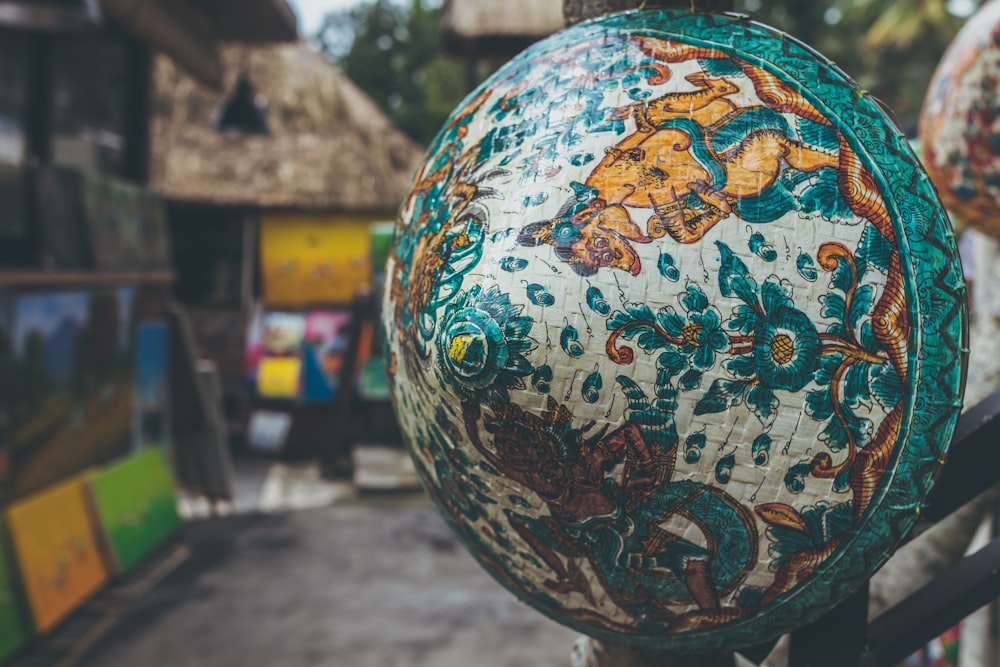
x=694 y=156
x=658 y=165
x=706 y=105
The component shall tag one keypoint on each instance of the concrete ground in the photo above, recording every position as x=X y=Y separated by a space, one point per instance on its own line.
x=307 y=573
x=370 y=582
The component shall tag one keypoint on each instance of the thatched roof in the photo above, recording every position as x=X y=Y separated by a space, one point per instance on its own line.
x=330 y=147
x=499 y=26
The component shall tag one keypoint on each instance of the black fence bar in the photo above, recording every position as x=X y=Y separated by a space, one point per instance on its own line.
x=970 y=584
x=836 y=639
x=973 y=461
x=336 y=461
x=756 y=654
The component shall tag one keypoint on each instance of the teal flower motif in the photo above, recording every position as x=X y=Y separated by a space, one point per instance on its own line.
x=785 y=344
x=761 y=449
x=778 y=349
x=690 y=341
x=569 y=341
x=806 y=267
x=760 y=247
x=513 y=264
x=786 y=349
x=535 y=200
x=724 y=468
x=705 y=335
x=483 y=343
x=701 y=337
x=591 y=390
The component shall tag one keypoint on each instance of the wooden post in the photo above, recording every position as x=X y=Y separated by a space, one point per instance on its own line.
x=591 y=653
x=337 y=461
x=137 y=106
x=471 y=64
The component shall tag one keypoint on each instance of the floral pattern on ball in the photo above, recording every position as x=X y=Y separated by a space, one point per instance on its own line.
x=959 y=125
x=654 y=326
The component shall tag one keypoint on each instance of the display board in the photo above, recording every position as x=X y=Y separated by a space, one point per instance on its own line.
x=56 y=550
x=136 y=504
x=127 y=225
x=297 y=355
x=13 y=219
x=310 y=261
x=382 y=233
x=677 y=330
x=61 y=218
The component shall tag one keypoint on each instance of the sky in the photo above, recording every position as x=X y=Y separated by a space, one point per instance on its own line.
x=311 y=12
x=45 y=313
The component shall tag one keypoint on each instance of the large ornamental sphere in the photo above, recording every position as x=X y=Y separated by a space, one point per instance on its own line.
x=675 y=324
x=960 y=123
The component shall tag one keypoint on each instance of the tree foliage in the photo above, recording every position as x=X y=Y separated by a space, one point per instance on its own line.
x=393 y=52
x=891 y=47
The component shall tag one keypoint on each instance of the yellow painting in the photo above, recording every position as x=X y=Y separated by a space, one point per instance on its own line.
x=53 y=539
x=309 y=260
x=278 y=377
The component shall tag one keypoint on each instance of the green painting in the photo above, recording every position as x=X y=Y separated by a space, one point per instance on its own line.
x=137 y=507
x=14 y=629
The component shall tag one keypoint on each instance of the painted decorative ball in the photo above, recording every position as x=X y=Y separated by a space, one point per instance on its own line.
x=675 y=324
x=960 y=123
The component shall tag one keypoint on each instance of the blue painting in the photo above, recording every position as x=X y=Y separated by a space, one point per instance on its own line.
x=152 y=379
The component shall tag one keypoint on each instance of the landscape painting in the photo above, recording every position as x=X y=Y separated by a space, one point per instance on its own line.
x=68 y=390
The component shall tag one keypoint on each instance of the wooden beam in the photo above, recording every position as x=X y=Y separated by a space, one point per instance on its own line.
x=254 y=21
x=138 y=109
x=61 y=278
x=181 y=31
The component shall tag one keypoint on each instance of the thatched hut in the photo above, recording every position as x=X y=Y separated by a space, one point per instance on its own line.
x=278 y=221
x=494 y=31
x=498 y=29
x=330 y=149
